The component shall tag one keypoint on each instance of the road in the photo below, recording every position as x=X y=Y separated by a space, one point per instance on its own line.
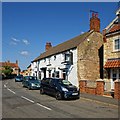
x=19 y=102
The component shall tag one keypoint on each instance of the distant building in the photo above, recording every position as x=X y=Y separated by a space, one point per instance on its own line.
x=24 y=73
x=29 y=70
x=14 y=66
x=79 y=58
x=112 y=52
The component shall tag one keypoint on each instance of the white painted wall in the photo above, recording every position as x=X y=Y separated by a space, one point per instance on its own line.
x=56 y=64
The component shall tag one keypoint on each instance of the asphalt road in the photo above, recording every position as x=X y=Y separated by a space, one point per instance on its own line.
x=19 y=102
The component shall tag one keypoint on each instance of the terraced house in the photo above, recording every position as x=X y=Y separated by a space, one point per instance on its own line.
x=79 y=58
x=112 y=52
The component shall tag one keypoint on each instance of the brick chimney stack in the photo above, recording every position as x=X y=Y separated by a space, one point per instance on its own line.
x=48 y=46
x=95 y=22
x=16 y=61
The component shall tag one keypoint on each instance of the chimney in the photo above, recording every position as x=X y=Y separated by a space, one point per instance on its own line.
x=48 y=46
x=95 y=22
x=16 y=61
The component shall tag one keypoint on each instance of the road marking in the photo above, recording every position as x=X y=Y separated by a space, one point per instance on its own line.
x=44 y=106
x=11 y=91
x=5 y=86
x=28 y=99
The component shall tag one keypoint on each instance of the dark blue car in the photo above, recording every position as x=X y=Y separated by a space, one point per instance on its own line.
x=60 y=88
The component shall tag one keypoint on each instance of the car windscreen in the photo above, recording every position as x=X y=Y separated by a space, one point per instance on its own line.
x=34 y=81
x=65 y=82
x=32 y=78
x=18 y=77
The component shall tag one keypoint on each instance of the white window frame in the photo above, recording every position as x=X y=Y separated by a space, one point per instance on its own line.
x=115 y=50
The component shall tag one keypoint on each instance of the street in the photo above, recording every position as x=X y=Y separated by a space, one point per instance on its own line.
x=19 y=102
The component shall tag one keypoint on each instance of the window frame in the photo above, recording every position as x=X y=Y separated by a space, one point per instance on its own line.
x=118 y=45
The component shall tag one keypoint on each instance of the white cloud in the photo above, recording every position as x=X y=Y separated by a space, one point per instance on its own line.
x=15 y=40
x=24 y=53
x=82 y=32
x=26 y=42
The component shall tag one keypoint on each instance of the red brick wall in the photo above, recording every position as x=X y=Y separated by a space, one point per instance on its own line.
x=100 y=87
x=99 y=90
x=82 y=86
x=91 y=90
x=117 y=90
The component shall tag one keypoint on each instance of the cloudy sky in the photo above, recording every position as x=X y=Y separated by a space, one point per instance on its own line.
x=27 y=26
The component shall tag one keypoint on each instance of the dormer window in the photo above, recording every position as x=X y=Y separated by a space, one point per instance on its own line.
x=117 y=44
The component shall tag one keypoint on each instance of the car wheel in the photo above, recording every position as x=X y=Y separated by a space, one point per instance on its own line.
x=29 y=87
x=42 y=91
x=23 y=85
x=58 y=96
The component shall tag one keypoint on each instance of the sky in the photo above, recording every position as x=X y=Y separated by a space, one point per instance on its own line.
x=27 y=26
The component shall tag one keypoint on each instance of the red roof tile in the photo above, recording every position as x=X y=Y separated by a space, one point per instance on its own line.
x=112 y=64
x=115 y=28
x=14 y=65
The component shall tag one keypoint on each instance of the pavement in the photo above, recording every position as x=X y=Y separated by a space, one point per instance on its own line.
x=98 y=98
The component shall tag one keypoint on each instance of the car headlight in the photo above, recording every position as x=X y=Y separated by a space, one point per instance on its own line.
x=64 y=89
x=78 y=89
x=32 y=84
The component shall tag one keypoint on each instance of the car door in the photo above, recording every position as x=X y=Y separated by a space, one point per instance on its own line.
x=26 y=81
x=45 y=85
x=52 y=87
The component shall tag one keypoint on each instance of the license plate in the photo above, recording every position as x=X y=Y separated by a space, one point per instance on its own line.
x=74 y=93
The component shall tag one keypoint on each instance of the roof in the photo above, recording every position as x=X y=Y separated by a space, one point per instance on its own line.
x=114 y=26
x=72 y=43
x=112 y=64
x=13 y=65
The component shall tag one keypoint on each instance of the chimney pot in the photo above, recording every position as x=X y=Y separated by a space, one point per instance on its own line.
x=16 y=61
x=48 y=46
x=95 y=23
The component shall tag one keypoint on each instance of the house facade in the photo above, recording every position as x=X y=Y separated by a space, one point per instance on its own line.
x=112 y=52
x=14 y=66
x=77 y=59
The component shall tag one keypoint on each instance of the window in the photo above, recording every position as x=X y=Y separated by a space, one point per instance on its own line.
x=117 y=44
x=54 y=57
x=48 y=61
x=57 y=74
x=67 y=57
x=49 y=72
x=114 y=75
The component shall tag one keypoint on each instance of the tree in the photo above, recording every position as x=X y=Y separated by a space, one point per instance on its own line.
x=7 y=70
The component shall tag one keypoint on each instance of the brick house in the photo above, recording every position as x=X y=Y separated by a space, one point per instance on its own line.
x=112 y=53
x=79 y=58
x=14 y=66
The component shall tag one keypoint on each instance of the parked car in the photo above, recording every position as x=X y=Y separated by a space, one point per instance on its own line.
x=31 y=82
x=19 y=78
x=60 y=88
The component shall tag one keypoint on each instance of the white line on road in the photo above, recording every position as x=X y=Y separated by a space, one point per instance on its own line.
x=11 y=91
x=44 y=106
x=28 y=99
x=5 y=86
